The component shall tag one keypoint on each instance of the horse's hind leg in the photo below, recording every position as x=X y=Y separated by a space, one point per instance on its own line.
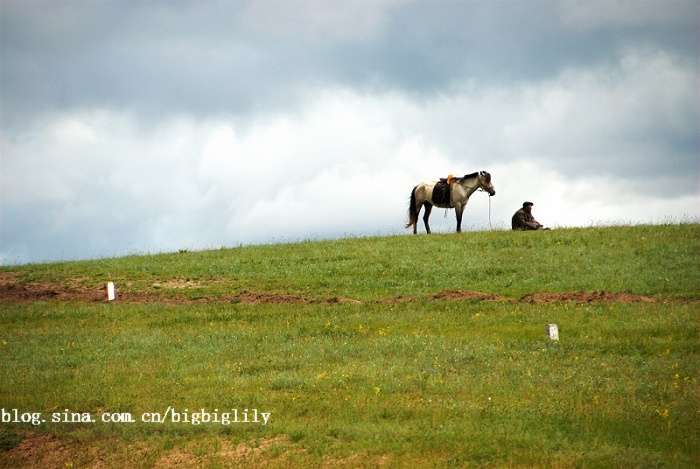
x=426 y=215
x=415 y=220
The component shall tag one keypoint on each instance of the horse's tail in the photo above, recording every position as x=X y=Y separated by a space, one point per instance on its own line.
x=412 y=212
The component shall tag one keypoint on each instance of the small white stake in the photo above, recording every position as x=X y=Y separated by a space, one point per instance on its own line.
x=110 y=291
x=553 y=331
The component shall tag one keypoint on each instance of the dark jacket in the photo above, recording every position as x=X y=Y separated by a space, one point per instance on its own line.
x=523 y=220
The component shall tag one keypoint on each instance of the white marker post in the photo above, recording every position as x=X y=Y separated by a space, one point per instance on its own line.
x=110 y=291
x=553 y=331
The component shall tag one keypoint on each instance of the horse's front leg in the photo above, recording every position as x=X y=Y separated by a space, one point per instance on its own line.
x=459 y=211
x=426 y=215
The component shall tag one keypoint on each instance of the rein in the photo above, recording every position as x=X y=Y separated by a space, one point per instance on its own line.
x=490 y=227
x=482 y=190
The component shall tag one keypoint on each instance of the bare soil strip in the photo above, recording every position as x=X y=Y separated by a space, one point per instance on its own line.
x=38 y=450
x=12 y=290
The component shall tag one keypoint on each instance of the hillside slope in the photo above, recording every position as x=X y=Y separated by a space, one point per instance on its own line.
x=659 y=260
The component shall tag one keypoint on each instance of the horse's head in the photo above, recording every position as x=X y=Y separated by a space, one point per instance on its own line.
x=485 y=182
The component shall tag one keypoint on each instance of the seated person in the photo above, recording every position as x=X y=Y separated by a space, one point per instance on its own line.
x=523 y=219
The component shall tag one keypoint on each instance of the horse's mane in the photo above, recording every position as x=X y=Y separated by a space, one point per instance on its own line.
x=476 y=174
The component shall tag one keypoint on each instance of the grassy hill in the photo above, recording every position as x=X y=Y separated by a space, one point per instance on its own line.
x=405 y=351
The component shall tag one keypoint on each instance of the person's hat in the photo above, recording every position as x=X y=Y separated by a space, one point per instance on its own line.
x=525 y=204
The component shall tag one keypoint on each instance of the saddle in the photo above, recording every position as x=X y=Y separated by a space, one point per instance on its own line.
x=441 y=191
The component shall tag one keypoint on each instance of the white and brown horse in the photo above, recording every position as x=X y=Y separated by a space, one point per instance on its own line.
x=460 y=191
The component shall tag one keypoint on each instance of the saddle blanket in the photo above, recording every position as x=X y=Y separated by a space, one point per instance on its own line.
x=441 y=191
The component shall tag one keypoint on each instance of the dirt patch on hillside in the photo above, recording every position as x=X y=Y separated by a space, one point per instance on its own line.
x=266 y=452
x=14 y=290
x=586 y=297
x=537 y=298
x=184 y=283
x=173 y=291
x=38 y=450
x=462 y=295
x=257 y=298
x=244 y=297
x=180 y=291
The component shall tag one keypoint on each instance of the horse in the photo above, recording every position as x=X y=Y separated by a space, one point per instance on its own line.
x=460 y=191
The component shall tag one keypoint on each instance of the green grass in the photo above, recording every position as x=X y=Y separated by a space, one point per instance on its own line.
x=646 y=260
x=421 y=383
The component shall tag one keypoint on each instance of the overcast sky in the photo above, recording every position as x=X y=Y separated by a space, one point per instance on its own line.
x=151 y=126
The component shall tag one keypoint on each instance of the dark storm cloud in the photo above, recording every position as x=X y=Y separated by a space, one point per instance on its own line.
x=224 y=57
x=146 y=56
x=429 y=46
